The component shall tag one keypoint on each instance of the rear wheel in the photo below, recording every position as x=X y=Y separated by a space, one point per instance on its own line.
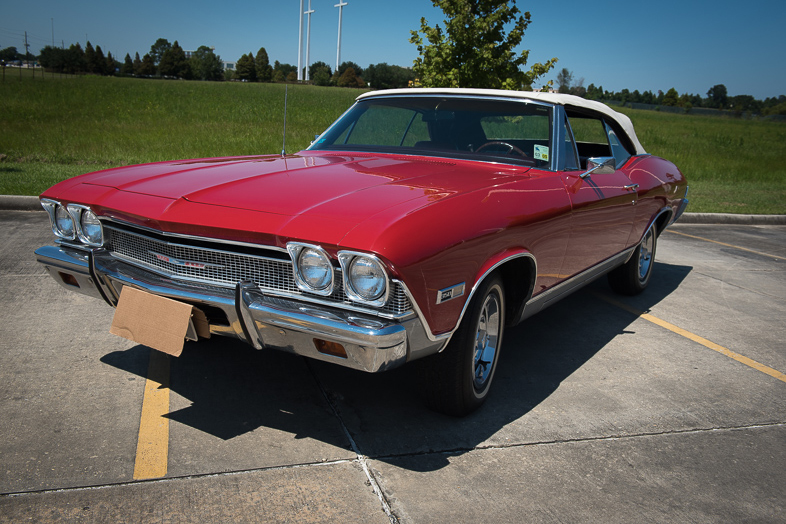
x=457 y=380
x=632 y=277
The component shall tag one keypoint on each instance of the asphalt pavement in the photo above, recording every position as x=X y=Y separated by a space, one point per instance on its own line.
x=665 y=407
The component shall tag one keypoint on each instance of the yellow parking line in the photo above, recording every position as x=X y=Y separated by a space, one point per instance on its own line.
x=725 y=244
x=696 y=338
x=152 y=447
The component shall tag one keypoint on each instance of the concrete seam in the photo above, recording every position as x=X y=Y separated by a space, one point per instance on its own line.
x=362 y=459
x=384 y=457
x=580 y=440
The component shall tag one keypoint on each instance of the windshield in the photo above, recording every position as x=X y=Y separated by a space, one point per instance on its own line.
x=480 y=129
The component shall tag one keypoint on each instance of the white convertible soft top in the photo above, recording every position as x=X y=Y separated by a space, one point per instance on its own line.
x=551 y=98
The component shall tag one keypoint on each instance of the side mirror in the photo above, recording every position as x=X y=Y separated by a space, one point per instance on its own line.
x=600 y=165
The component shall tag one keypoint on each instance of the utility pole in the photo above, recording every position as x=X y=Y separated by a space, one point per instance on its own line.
x=27 y=50
x=340 y=6
x=308 y=40
x=300 y=44
x=53 y=32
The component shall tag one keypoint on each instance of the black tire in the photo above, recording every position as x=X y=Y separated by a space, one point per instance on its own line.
x=632 y=277
x=457 y=380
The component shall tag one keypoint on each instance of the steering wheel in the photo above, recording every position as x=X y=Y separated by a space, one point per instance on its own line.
x=511 y=147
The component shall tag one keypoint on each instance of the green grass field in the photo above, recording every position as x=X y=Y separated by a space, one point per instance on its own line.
x=52 y=129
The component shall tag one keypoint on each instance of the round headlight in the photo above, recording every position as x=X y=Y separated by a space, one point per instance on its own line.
x=91 y=228
x=64 y=223
x=315 y=269
x=367 y=278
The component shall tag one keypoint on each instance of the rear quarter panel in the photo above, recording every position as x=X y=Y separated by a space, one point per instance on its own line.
x=661 y=187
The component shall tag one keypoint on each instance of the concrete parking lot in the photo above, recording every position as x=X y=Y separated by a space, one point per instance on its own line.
x=665 y=407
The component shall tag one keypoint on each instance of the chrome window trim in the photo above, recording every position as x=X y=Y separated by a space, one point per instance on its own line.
x=527 y=101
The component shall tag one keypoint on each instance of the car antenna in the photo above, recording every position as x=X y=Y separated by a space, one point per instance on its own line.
x=284 y=145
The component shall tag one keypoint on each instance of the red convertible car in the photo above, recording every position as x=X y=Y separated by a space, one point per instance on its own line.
x=418 y=226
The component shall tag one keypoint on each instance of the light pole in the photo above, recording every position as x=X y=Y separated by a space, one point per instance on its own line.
x=300 y=44
x=340 y=6
x=308 y=39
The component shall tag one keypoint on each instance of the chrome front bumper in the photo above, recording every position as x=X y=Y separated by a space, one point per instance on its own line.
x=371 y=343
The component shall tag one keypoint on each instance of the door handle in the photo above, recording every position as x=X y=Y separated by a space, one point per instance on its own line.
x=631 y=187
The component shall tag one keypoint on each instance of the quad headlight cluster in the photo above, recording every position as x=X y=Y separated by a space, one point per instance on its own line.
x=74 y=222
x=365 y=278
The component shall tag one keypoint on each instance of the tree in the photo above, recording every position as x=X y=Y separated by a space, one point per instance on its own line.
x=128 y=66
x=716 y=96
x=246 y=68
x=9 y=54
x=137 y=65
x=384 y=76
x=594 y=93
x=564 y=80
x=346 y=65
x=75 y=60
x=348 y=78
x=99 y=62
x=174 y=63
x=147 y=67
x=158 y=49
x=262 y=64
x=90 y=57
x=51 y=58
x=671 y=98
x=741 y=103
x=206 y=65
x=284 y=70
x=316 y=67
x=110 y=65
x=474 y=49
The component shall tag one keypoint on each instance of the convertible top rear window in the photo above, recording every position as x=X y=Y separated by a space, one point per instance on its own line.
x=480 y=129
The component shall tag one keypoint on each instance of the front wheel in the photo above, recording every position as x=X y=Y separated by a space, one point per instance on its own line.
x=457 y=380
x=632 y=277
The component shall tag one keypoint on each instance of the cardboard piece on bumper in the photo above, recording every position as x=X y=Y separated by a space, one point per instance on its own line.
x=157 y=322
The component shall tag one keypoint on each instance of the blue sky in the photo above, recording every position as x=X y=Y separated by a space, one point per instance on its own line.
x=689 y=45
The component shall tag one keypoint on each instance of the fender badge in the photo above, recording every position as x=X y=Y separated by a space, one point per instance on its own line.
x=449 y=293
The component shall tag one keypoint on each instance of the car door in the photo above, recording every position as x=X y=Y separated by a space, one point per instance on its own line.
x=604 y=202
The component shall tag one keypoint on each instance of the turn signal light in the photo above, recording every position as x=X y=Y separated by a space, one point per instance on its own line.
x=330 y=348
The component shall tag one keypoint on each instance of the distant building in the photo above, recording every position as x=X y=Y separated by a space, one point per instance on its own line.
x=230 y=66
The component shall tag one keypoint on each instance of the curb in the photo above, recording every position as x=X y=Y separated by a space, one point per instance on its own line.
x=31 y=203
x=20 y=203
x=729 y=218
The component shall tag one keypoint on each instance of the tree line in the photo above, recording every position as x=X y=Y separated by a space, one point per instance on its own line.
x=717 y=97
x=169 y=60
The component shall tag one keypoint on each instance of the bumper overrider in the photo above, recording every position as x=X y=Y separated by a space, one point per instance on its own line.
x=348 y=338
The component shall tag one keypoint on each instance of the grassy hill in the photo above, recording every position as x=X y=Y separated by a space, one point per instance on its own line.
x=53 y=129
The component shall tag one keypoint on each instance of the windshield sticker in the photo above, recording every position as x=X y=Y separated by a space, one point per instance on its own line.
x=542 y=153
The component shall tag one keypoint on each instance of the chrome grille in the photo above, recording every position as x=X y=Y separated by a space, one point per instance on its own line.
x=216 y=265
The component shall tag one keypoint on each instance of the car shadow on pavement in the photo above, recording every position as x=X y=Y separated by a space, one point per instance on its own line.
x=233 y=389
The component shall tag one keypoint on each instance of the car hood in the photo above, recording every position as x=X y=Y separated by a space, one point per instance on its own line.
x=294 y=193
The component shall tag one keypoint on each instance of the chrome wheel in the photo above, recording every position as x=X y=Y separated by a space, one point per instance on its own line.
x=633 y=276
x=486 y=341
x=457 y=380
x=646 y=250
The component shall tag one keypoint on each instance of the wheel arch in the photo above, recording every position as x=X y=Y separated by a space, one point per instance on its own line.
x=517 y=269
